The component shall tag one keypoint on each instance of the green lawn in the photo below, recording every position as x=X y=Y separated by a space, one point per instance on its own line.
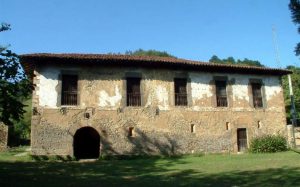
x=279 y=169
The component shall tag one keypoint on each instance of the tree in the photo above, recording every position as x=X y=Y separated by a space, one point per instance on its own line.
x=215 y=59
x=4 y=27
x=14 y=86
x=231 y=60
x=295 y=10
x=248 y=62
x=151 y=52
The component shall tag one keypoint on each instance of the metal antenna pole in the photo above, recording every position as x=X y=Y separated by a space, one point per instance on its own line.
x=276 y=50
x=293 y=108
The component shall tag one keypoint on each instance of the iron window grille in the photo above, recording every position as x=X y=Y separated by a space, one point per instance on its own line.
x=69 y=95
x=221 y=94
x=180 y=92
x=133 y=92
x=257 y=95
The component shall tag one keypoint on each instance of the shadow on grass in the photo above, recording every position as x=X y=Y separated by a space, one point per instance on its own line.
x=137 y=172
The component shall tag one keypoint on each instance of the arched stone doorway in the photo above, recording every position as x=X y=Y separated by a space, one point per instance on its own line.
x=86 y=143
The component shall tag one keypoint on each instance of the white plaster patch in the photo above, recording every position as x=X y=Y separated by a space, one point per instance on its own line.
x=272 y=87
x=240 y=88
x=150 y=86
x=200 y=86
x=112 y=101
x=47 y=92
x=162 y=97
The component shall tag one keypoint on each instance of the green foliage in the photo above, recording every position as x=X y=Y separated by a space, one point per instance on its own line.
x=268 y=144
x=296 y=89
x=4 y=27
x=231 y=60
x=295 y=10
x=141 y=52
x=19 y=133
x=14 y=86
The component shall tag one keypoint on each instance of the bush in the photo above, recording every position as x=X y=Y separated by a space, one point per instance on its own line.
x=268 y=144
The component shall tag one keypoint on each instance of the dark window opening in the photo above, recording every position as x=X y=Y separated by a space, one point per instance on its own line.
x=69 y=90
x=130 y=131
x=227 y=126
x=133 y=92
x=221 y=94
x=257 y=96
x=192 y=128
x=180 y=92
x=259 y=124
x=86 y=143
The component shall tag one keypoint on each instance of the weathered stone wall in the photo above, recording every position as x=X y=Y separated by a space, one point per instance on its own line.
x=297 y=136
x=3 y=136
x=159 y=126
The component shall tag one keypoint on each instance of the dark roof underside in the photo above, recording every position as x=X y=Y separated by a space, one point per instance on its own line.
x=29 y=61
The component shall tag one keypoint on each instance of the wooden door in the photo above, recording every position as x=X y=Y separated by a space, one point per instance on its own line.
x=242 y=140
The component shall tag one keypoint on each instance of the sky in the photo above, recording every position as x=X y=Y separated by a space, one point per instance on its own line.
x=189 y=29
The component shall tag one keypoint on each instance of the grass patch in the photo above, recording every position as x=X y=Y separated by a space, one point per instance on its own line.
x=15 y=154
x=269 y=169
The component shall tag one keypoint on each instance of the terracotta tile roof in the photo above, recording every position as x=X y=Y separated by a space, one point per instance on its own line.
x=29 y=61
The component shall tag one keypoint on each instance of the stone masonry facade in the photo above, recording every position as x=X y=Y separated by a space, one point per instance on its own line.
x=159 y=127
x=3 y=136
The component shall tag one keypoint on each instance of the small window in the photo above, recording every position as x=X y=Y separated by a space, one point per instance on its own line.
x=69 y=90
x=257 y=96
x=130 y=131
x=259 y=124
x=133 y=92
x=193 y=128
x=180 y=92
x=87 y=115
x=227 y=126
x=221 y=93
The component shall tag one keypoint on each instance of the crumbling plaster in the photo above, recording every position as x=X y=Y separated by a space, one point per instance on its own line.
x=106 y=100
x=46 y=89
x=104 y=90
x=165 y=131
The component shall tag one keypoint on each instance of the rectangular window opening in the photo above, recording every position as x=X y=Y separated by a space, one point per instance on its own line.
x=130 y=131
x=259 y=124
x=180 y=92
x=69 y=93
x=221 y=94
x=133 y=92
x=193 y=128
x=257 y=95
x=227 y=126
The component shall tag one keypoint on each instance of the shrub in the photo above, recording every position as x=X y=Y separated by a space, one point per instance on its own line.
x=268 y=144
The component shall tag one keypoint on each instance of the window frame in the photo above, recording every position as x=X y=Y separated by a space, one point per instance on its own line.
x=131 y=95
x=218 y=97
x=63 y=87
x=182 y=97
x=254 y=97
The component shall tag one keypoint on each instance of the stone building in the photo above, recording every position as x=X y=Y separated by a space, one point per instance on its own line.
x=86 y=105
x=3 y=136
